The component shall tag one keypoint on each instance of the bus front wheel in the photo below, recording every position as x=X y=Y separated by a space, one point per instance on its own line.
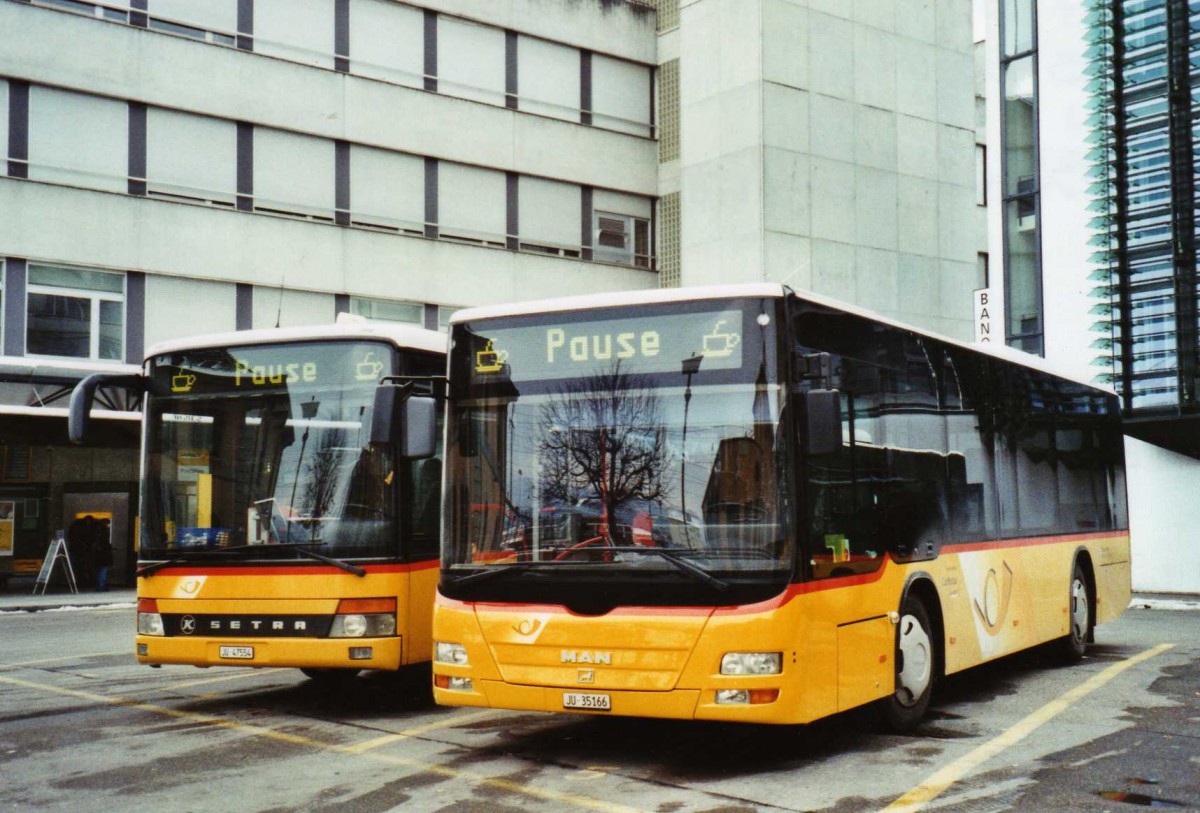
x=1079 y=610
x=915 y=663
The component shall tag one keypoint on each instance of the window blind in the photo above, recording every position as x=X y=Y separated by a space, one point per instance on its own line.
x=387 y=41
x=78 y=139
x=191 y=156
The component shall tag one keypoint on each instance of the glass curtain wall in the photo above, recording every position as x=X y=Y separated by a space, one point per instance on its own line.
x=1151 y=119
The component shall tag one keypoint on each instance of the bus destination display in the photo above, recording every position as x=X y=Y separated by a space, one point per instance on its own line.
x=270 y=367
x=646 y=344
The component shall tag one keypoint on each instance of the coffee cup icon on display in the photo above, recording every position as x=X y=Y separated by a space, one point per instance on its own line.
x=368 y=370
x=182 y=382
x=720 y=345
x=490 y=360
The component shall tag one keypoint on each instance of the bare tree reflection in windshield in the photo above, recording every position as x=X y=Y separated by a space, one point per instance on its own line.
x=603 y=446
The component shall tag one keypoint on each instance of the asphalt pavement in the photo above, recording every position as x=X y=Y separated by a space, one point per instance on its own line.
x=18 y=596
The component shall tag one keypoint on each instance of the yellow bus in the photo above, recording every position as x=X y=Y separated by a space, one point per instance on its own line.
x=272 y=530
x=746 y=504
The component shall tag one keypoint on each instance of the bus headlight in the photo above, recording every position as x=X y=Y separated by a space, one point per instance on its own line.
x=453 y=654
x=149 y=621
x=364 y=618
x=752 y=663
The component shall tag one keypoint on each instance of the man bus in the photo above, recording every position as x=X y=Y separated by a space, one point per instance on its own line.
x=745 y=504
x=273 y=532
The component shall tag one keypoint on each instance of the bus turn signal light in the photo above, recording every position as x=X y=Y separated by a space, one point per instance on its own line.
x=454 y=684
x=746 y=697
x=366 y=606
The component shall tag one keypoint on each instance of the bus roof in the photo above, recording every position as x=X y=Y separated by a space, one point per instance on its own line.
x=617 y=298
x=410 y=336
x=753 y=290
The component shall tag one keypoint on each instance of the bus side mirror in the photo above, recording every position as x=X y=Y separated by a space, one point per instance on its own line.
x=79 y=413
x=822 y=421
x=409 y=421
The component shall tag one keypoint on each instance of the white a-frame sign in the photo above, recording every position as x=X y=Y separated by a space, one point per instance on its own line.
x=57 y=552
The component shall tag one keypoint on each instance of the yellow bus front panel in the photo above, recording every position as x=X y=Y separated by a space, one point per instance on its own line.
x=271 y=616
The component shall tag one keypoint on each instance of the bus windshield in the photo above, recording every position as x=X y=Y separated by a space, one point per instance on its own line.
x=616 y=443
x=267 y=446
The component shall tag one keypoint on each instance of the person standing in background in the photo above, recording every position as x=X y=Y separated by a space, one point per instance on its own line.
x=102 y=553
x=80 y=547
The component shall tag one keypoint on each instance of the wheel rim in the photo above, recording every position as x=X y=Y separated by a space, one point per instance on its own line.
x=1079 y=610
x=917 y=663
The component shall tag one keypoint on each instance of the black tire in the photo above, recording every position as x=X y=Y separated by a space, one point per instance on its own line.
x=330 y=676
x=1080 y=618
x=916 y=668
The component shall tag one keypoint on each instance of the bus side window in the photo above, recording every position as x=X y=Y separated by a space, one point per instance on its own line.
x=843 y=487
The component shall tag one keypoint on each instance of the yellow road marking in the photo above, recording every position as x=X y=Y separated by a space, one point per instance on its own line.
x=170 y=687
x=41 y=661
x=940 y=781
x=388 y=739
x=296 y=739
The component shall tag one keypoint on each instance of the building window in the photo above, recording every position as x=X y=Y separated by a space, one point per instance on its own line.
x=297 y=30
x=209 y=20
x=3 y=127
x=78 y=139
x=549 y=216
x=620 y=95
x=110 y=10
x=549 y=78
x=384 y=310
x=293 y=174
x=981 y=174
x=1020 y=26
x=444 y=314
x=388 y=41
x=191 y=158
x=668 y=14
x=668 y=111
x=387 y=190
x=621 y=239
x=668 y=241
x=472 y=204
x=1024 y=327
x=75 y=313
x=470 y=60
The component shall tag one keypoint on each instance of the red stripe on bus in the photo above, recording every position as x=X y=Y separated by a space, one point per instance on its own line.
x=1033 y=541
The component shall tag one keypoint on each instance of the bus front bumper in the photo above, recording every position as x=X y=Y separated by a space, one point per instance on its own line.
x=676 y=704
x=307 y=653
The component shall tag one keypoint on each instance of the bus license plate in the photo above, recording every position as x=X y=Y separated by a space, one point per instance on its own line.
x=590 y=702
x=242 y=653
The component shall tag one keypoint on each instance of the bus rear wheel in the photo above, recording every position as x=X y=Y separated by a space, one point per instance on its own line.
x=915 y=662
x=1073 y=645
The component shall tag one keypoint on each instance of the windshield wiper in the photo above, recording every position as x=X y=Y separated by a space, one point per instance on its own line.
x=329 y=560
x=298 y=547
x=691 y=568
x=492 y=572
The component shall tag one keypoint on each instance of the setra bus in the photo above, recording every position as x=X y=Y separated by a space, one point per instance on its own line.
x=746 y=504
x=273 y=531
